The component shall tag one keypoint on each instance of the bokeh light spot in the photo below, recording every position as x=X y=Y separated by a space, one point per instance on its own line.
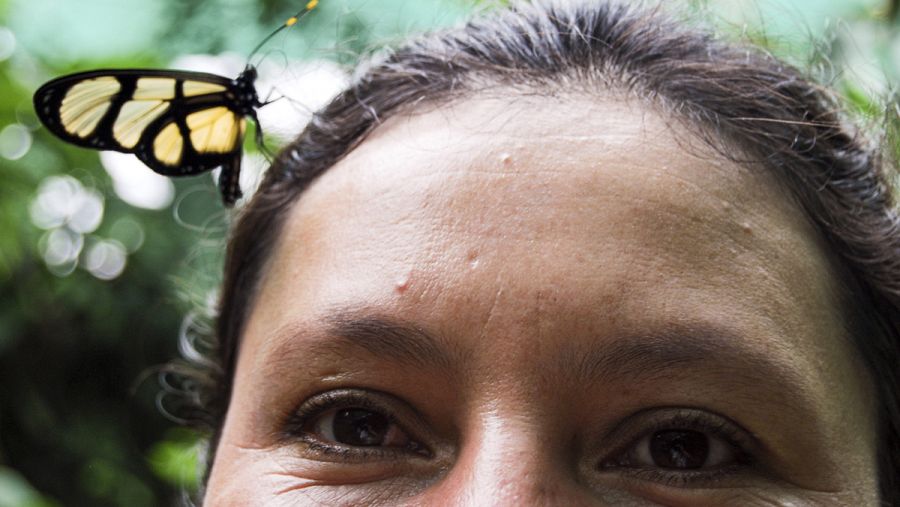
x=15 y=141
x=51 y=207
x=64 y=201
x=87 y=213
x=7 y=43
x=105 y=259
x=135 y=183
x=61 y=247
x=129 y=232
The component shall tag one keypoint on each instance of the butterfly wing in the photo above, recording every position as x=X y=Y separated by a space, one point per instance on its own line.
x=176 y=122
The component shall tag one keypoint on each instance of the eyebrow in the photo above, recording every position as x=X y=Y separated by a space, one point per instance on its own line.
x=389 y=339
x=638 y=357
x=652 y=355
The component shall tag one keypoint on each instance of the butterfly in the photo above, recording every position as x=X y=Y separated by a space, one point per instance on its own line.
x=178 y=123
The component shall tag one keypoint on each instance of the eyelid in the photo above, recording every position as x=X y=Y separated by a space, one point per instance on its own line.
x=633 y=429
x=395 y=410
x=649 y=420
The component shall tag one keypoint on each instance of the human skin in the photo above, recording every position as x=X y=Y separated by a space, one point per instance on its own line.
x=529 y=287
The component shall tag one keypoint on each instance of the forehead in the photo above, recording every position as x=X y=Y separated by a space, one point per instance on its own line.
x=565 y=194
x=530 y=228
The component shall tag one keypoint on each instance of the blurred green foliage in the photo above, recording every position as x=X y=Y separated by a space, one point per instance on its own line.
x=80 y=334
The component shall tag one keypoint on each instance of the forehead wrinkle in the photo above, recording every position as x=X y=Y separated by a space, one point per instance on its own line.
x=433 y=187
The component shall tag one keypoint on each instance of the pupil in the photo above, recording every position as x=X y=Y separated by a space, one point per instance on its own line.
x=679 y=449
x=359 y=427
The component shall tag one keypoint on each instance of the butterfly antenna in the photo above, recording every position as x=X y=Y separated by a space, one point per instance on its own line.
x=291 y=21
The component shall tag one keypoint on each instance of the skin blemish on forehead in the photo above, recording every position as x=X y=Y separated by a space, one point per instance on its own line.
x=402 y=283
x=472 y=259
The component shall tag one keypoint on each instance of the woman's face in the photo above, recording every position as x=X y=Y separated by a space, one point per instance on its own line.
x=545 y=301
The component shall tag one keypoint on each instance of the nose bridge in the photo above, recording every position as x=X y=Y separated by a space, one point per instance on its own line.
x=510 y=463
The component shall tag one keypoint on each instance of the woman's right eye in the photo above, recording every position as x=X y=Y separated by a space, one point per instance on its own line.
x=359 y=427
x=353 y=423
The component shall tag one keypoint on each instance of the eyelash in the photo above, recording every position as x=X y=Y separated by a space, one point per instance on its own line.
x=739 y=440
x=298 y=427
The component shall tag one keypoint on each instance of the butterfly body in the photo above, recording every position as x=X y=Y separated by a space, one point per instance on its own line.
x=177 y=122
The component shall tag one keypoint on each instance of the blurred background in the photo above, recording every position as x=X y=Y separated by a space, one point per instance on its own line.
x=102 y=262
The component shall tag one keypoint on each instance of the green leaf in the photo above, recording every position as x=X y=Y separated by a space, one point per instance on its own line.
x=176 y=459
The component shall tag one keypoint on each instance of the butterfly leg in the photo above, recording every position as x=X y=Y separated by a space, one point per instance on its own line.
x=276 y=99
x=268 y=99
x=229 y=180
x=260 y=140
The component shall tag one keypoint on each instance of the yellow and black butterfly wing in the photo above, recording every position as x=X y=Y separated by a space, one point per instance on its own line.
x=178 y=123
x=199 y=138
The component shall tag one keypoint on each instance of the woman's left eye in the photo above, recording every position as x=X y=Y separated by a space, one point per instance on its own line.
x=676 y=449
x=682 y=447
x=359 y=427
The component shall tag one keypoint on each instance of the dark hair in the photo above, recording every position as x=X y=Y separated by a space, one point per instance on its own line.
x=747 y=104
